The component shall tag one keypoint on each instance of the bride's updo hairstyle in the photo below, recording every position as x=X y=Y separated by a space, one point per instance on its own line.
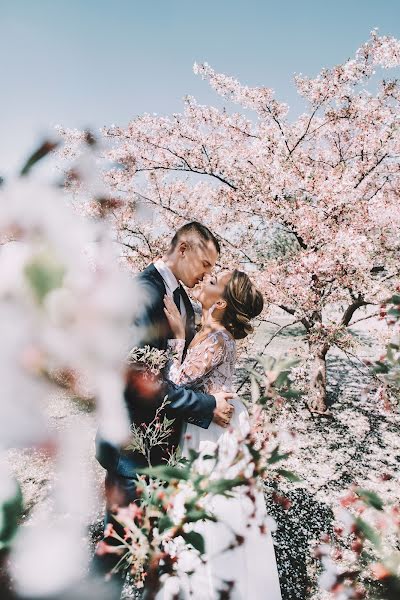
x=243 y=302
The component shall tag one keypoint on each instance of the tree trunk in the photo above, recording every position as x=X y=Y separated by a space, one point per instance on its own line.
x=319 y=349
x=317 y=398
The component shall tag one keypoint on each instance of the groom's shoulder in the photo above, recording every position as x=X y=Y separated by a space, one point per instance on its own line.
x=150 y=281
x=150 y=276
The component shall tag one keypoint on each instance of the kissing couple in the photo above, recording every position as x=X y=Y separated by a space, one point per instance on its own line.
x=199 y=385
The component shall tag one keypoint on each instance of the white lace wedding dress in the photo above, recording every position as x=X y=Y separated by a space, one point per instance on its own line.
x=248 y=570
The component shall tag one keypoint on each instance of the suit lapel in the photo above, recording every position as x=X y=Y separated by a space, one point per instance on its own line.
x=160 y=320
x=189 y=330
x=151 y=271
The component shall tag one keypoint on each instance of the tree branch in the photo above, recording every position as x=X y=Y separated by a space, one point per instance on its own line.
x=183 y=170
x=370 y=170
x=218 y=235
x=350 y=310
x=365 y=318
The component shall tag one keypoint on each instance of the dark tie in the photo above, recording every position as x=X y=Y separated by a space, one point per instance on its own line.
x=178 y=294
x=177 y=297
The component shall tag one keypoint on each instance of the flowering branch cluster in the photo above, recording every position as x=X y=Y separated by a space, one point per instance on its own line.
x=372 y=548
x=388 y=366
x=154 y=532
x=146 y=436
x=373 y=540
x=272 y=384
x=154 y=360
x=161 y=525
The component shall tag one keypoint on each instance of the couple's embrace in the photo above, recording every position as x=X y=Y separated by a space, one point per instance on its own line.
x=199 y=385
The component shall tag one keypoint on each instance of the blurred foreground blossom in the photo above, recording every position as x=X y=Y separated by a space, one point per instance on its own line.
x=65 y=314
x=60 y=308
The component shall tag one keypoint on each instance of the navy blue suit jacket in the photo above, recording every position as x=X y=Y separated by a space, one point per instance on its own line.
x=185 y=404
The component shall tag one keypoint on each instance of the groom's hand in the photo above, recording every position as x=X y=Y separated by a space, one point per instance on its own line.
x=223 y=410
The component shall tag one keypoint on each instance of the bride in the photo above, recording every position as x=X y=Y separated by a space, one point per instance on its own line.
x=247 y=571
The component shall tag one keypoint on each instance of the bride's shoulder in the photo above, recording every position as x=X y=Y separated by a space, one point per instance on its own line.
x=222 y=337
x=221 y=341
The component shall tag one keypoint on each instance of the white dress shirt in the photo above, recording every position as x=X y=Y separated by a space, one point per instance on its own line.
x=171 y=283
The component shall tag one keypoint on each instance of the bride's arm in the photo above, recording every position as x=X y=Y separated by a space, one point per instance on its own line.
x=202 y=359
x=175 y=346
x=175 y=349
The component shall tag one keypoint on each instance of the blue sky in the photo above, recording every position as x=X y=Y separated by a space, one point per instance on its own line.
x=84 y=63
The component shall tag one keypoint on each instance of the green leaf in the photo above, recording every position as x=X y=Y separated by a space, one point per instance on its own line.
x=370 y=498
x=193 y=454
x=276 y=457
x=44 y=274
x=221 y=486
x=11 y=510
x=164 y=523
x=257 y=376
x=197 y=481
x=395 y=299
x=284 y=368
x=263 y=400
x=195 y=515
x=166 y=473
x=369 y=532
x=267 y=362
x=289 y=475
x=381 y=367
x=281 y=380
x=290 y=394
x=194 y=539
x=286 y=364
x=255 y=454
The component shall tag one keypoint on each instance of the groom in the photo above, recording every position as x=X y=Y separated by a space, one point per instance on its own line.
x=192 y=254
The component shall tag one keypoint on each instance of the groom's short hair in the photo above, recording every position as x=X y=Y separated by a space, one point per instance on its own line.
x=195 y=229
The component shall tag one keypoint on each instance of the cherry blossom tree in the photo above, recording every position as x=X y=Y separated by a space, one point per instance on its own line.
x=310 y=204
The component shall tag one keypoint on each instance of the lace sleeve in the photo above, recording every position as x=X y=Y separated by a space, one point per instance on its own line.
x=200 y=360
x=175 y=349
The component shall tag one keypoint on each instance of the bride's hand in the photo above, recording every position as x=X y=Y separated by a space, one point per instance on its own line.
x=174 y=318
